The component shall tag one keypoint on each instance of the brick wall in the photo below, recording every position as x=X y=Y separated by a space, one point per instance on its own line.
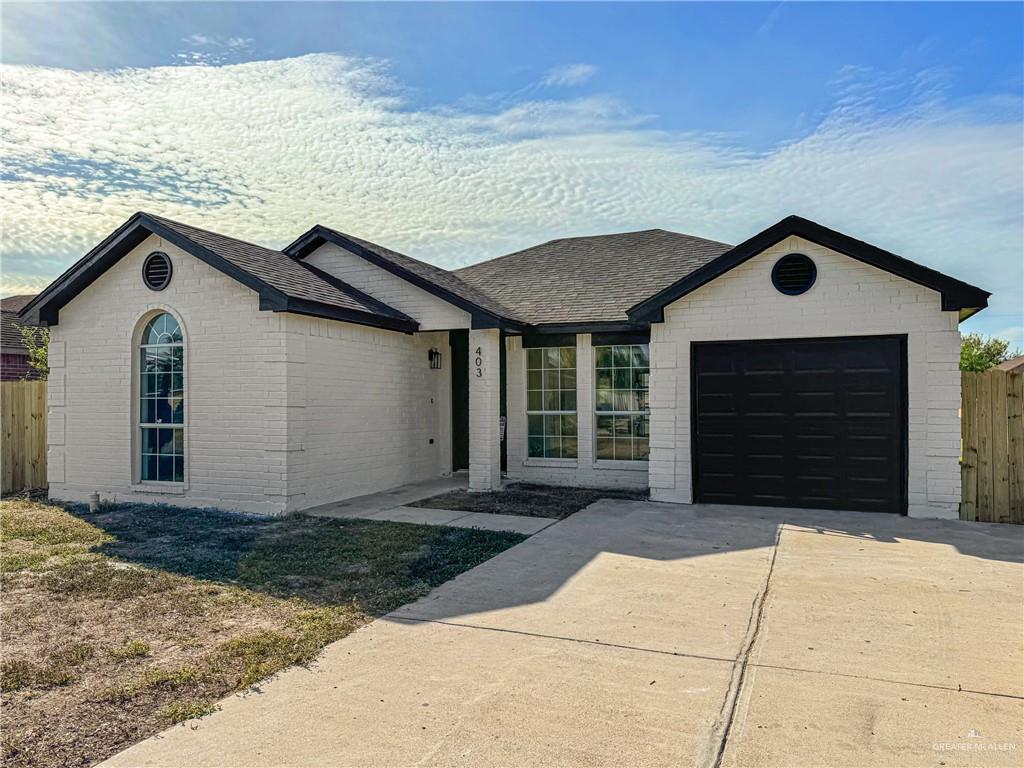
x=236 y=433
x=431 y=312
x=849 y=298
x=582 y=471
x=365 y=411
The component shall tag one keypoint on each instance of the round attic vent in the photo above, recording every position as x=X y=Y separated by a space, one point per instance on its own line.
x=156 y=271
x=794 y=274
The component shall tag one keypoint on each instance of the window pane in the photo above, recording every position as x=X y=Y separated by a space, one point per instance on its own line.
x=177 y=384
x=641 y=426
x=623 y=357
x=567 y=378
x=535 y=425
x=147 y=412
x=179 y=442
x=179 y=469
x=604 y=426
x=149 y=467
x=553 y=447
x=551 y=401
x=535 y=401
x=622 y=378
x=534 y=358
x=641 y=378
x=605 y=448
x=604 y=378
x=166 y=471
x=623 y=449
x=166 y=441
x=551 y=379
x=568 y=400
x=150 y=441
x=536 y=446
x=163 y=411
x=568 y=425
x=603 y=357
x=569 y=448
x=641 y=357
x=604 y=400
x=622 y=427
x=568 y=357
x=641 y=449
x=534 y=380
x=551 y=357
x=177 y=410
x=552 y=425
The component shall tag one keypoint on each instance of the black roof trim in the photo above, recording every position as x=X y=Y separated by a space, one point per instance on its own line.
x=319 y=234
x=44 y=309
x=318 y=309
x=956 y=294
x=598 y=326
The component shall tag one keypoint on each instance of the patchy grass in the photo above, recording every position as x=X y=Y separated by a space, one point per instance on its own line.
x=527 y=499
x=120 y=623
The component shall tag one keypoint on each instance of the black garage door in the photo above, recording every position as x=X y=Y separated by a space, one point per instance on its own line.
x=817 y=423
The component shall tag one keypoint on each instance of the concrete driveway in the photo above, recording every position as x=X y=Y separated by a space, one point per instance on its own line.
x=636 y=634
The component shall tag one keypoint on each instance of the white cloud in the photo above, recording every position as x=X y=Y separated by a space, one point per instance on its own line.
x=569 y=75
x=263 y=150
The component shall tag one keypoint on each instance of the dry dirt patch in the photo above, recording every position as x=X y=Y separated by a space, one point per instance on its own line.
x=119 y=623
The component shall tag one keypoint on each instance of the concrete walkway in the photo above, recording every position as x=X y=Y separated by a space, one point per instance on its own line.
x=638 y=634
x=391 y=505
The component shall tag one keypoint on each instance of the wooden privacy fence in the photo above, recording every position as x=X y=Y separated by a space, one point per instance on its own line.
x=992 y=459
x=23 y=426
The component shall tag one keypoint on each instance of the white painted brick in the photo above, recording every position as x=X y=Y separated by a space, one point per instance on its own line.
x=849 y=299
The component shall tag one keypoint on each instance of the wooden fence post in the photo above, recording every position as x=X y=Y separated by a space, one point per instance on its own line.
x=969 y=446
x=1015 y=445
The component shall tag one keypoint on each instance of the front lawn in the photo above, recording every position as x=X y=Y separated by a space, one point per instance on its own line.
x=529 y=499
x=120 y=623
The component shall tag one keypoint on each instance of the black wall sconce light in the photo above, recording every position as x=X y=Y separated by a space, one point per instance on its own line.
x=434 y=357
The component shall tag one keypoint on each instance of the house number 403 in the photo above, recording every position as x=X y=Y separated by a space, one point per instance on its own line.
x=479 y=362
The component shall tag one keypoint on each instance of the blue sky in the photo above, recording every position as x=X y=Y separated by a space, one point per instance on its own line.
x=457 y=132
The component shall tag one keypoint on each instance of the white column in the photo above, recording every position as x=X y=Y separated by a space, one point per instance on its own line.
x=484 y=409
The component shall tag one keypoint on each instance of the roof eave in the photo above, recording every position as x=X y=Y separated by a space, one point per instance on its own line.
x=956 y=295
x=319 y=235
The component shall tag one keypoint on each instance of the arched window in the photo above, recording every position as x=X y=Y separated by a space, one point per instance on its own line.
x=162 y=401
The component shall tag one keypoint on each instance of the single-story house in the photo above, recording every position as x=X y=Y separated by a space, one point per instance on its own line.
x=800 y=368
x=14 y=365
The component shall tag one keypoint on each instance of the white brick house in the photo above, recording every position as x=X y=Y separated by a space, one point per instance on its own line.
x=799 y=368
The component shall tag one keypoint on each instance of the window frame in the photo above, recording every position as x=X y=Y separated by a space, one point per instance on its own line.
x=545 y=413
x=632 y=461
x=139 y=426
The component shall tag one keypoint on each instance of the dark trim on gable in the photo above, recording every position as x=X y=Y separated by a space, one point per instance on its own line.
x=956 y=294
x=45 y=308
x=318 y=235
x=316 y=309
x=364 y=297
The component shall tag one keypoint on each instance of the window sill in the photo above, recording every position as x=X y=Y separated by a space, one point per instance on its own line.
x=167 y=489
x=539 y=462
x=631 y=466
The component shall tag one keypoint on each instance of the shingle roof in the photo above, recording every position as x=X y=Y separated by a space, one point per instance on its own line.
x=293 y=278
x=10 y=331
x=16 y=303
x=590 y=279
x=449 y=285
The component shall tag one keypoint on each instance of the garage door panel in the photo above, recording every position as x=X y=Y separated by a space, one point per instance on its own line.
x=812 y=423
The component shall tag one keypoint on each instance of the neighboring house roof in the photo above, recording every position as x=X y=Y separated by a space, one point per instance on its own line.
x=16 y=303
x=10 y=333
x=956 y=294
x=282 y=283
x=590 y=279
x=10 y=326
x=1014 y=364
x=440 y=282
